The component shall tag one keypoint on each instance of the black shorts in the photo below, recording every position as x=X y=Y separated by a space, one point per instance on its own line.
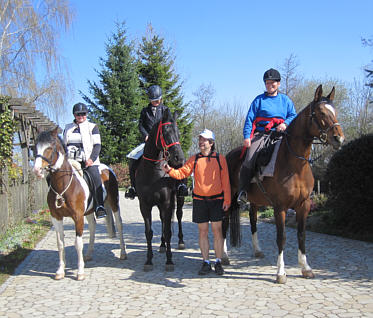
x=207 y=210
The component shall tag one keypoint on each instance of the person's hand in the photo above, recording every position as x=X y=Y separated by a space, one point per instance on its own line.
x=281 y=127
x=247 y=143
x=89 y=162
x=166 y=168
x=226 y=207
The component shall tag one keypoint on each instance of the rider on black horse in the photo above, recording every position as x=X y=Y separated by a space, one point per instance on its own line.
x=150 y=115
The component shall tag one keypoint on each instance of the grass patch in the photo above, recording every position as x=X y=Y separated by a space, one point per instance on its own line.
x=20 y=240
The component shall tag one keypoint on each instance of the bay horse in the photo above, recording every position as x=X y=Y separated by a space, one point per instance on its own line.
x=292 y=182
x=154 y=187
x=68 y=196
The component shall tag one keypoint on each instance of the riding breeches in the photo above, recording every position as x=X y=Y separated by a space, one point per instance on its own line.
x=96 y=178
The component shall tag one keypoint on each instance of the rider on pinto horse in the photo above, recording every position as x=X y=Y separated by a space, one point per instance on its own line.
x=148 y=117
x=83 y=141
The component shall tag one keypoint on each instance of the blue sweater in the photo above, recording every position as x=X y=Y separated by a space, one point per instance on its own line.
x=280 y=106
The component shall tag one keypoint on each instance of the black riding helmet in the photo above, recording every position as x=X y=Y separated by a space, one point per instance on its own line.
x=80 y=108
x=154 y=92
x=271 y=75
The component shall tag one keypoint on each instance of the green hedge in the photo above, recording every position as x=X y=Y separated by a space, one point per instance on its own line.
x=350 y=178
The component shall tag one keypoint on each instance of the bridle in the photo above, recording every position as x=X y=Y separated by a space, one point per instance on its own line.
x=323 y=133
x=59 y=196
x=164 y=145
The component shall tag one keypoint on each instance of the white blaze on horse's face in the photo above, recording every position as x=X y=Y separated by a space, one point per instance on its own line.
x=38 y=164
x=330 y=108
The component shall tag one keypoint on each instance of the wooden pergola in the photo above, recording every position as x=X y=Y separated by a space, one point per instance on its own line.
x=31 y=122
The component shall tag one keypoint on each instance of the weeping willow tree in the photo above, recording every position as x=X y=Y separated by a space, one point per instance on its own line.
x=30 y=66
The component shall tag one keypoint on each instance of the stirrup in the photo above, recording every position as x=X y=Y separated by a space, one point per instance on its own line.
x=100 y=212
x=182 y=190
x=242 y=198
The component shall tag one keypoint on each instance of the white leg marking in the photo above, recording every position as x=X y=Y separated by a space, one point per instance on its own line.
x=92 y=232
x=118 y=222
x=281 y=264
x=79 y=250
x=302 y=260
x=58 y=225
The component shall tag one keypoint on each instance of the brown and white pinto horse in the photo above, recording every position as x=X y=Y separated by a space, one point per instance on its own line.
x=68 y=197
x=292 y=182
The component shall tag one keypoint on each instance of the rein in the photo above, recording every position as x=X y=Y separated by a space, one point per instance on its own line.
x=164 y=145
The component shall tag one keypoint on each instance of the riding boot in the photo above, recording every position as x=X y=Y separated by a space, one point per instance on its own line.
x=100 y=210
x=246 y=175
x=131 y=193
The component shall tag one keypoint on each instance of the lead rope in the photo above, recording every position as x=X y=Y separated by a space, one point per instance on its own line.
x=59 y=197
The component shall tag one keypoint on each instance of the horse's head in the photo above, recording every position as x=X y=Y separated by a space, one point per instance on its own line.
x=49 y=152
x=167 y=140
x=324 y=121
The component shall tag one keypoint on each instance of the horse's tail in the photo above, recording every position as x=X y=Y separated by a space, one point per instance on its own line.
x=234 y=223
x=234 y=161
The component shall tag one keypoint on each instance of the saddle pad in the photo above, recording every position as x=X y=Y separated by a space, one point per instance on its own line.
x=137 y=152
x=76 y=165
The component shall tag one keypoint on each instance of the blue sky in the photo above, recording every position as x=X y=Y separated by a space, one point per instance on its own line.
x=228 y=44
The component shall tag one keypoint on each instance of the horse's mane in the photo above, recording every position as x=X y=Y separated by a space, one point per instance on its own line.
x=46 y=137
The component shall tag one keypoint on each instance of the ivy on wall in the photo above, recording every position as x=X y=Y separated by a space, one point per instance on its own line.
x=8 y=128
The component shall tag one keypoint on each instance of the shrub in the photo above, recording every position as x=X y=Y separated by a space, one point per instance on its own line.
x=122 y=172
x=350 y=177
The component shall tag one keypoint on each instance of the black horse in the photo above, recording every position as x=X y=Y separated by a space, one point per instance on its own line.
x=154 y=187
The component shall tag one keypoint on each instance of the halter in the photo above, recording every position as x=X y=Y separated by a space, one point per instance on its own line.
x=164 y=145
x=59 y=196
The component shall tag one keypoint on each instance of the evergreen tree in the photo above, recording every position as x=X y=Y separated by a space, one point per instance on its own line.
x=156 y=67
x=116 y=102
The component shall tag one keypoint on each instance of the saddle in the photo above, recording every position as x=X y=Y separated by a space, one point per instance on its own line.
x=87 y=178
x=264 y=155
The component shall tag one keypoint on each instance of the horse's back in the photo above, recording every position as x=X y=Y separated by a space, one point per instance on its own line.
x=234 y=160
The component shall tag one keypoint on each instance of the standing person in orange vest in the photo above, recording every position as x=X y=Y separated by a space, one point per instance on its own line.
x=211 y=196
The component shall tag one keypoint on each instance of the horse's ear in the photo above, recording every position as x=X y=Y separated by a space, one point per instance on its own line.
x=331 y=94
x=318 y=94
x=54 y=132
x=176 y=115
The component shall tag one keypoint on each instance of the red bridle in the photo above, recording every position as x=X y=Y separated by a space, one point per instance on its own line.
x=164 y=145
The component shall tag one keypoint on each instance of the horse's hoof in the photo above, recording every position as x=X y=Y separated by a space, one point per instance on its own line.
x=259 y=254
x=123 y=256
x=59 y=276
x=170 y=267
x=148 y=268
x=308 y=274
x=225 y=261
x=281 y=279
x=80 y=277
x=87 y=258
x=181 y=246
x=162 y=249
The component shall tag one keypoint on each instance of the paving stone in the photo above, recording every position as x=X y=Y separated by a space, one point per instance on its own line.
x=113 y=288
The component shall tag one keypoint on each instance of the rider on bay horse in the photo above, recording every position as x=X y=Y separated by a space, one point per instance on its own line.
x=148 y=117
x=83 y=141
x=270 y=110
